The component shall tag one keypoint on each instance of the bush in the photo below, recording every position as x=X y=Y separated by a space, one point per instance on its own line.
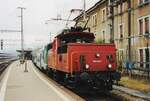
x=100 y=41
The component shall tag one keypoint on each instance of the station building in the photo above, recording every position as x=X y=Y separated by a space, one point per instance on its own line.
x=125 y=23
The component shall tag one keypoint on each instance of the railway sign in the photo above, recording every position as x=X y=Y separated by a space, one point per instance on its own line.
x=1 y=44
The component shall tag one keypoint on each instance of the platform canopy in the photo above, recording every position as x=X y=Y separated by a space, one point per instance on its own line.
x=26 y=52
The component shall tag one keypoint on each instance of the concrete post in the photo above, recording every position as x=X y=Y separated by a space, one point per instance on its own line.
x=25 y=70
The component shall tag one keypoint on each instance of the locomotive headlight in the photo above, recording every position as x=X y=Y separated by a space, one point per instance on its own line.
x=97 y=55
x=109 y=66
x=87 y=66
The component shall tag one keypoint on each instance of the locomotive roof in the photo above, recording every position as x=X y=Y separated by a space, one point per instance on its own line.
x=74 y=34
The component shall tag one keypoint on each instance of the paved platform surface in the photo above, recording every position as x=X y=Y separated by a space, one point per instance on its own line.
x=18 y=85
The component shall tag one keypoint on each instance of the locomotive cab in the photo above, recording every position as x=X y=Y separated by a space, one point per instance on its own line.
x=73 y=37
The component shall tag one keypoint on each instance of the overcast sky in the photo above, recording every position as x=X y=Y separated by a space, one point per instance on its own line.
x=36 y=32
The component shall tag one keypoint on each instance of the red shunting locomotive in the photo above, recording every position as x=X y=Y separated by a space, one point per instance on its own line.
x=74 y=58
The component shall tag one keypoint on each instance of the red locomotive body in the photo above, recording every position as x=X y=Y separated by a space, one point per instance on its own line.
x=74 y=57
x=95 y=57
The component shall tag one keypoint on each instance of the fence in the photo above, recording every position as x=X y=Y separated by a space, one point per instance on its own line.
x=139 y=67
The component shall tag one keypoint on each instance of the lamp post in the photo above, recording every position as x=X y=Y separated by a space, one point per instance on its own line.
x=22 y=39
x=84 y=10
x=22 y=36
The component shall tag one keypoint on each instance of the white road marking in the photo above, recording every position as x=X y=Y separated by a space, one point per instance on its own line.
x=53 y=88
x=4 y=85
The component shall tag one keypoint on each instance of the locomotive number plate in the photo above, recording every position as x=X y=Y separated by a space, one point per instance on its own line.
x=97 y=61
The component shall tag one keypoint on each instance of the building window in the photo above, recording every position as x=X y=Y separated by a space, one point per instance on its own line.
x=144 y=25
x=140 y=2
x=147 y=57
x=146 y=1
x=140 y=26
x=141 y=57
x=94 y=20
x=121 y=8
x=121 y=57
x=121 y=30
x=103 y=33
x=147 y=23
x=104 y=14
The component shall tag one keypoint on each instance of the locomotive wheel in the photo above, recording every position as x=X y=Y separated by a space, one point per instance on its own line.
x=49 y=72
x=109 y=85
x=56 y=76
x=59 y=77
x=43 y=70
x=71 y=82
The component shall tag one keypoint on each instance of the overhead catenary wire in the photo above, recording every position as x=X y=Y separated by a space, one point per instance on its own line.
x=9 y=31
x=9 y=39
x=68 y=19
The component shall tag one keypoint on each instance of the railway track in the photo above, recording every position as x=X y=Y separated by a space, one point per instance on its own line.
x=99 y=97
x=3 y=66
x=5 y=60
x=93 y=95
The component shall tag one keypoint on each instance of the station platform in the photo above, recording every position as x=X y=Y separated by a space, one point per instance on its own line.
x=18 y=85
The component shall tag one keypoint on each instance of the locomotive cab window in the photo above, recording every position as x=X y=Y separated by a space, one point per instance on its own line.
x=63 y=47
x=49 y=46
x=74 y=37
